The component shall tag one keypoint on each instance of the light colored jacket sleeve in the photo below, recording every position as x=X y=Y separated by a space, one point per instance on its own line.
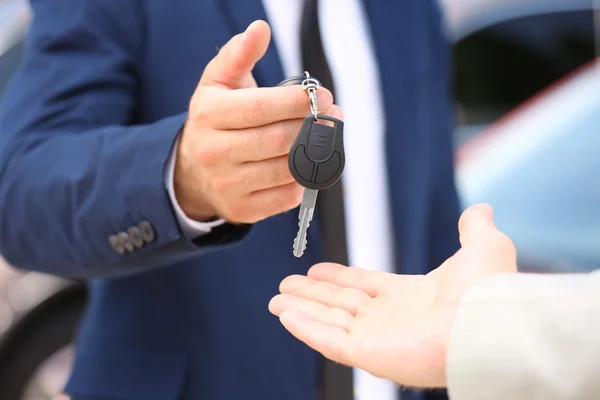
x=527 y=337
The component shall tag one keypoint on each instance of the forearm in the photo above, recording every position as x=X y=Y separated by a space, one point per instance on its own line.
x=527 y=337
x=64 y=194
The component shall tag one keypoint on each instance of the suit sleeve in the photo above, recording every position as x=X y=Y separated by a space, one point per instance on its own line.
x=76 y=171
x=524 y=337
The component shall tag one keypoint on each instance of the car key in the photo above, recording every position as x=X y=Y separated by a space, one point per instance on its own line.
x=307 y=209
x=316 y=161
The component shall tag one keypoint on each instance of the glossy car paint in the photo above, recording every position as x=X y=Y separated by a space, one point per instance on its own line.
x=538 y=168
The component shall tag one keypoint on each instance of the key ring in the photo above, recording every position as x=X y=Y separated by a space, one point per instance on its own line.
x=311 y=85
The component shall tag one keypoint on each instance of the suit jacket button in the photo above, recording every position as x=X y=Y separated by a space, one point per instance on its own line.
x=125 y=241
x=116 y=244
x=135 y=235
x=147 y=231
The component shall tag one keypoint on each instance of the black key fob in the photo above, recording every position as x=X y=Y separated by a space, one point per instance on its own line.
x=316 y=159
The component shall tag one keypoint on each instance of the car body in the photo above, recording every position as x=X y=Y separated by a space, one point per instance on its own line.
x=503 y=160
x=537 y=167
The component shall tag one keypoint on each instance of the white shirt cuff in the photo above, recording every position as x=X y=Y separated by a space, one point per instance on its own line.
x=191 y=228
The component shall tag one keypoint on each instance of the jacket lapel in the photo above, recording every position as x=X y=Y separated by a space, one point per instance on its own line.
x=239 y=14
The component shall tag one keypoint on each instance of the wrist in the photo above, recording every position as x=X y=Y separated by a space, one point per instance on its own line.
x=435 y=354
x=192 y=205
x=189 y=197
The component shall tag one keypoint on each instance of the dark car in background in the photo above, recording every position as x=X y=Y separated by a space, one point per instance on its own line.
x=506 y=53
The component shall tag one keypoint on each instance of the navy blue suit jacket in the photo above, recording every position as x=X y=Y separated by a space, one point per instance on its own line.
x=86 y=128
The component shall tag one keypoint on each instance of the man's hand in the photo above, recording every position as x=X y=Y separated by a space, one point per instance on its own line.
x=232 y=158
x=393 y=326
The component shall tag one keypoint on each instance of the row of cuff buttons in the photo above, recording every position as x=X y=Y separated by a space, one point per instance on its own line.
x=134 y=238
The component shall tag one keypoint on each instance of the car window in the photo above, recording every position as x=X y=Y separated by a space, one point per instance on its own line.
x=499 y=67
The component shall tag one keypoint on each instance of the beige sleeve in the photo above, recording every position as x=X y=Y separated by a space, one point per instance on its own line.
x=527 y=337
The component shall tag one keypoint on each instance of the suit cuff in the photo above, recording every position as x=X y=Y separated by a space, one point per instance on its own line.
x=192 y=229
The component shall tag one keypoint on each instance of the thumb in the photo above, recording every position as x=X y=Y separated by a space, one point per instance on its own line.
x=485 y=251
x=476 y=223
x=233 y=65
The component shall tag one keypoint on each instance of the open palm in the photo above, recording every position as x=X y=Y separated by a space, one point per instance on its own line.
x=393 y=326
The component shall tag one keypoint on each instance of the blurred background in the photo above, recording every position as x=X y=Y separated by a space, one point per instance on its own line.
x=527 y=89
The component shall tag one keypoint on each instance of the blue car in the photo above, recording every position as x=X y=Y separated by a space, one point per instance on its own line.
x=537 y=167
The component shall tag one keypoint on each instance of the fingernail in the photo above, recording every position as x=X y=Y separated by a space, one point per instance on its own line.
x=337 y=113
x=483 y=209
x=244 y=34
x=483 y=213
x=324 y=99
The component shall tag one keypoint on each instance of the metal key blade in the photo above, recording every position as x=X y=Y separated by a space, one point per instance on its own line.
x=307 y=208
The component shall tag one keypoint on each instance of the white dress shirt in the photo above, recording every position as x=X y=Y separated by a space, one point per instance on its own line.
x=347 y=43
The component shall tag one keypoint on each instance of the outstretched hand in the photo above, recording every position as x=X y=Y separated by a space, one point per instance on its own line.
x=394 y=326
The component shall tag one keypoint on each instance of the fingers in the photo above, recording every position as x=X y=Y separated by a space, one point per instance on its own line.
x=333 y=342
x=326 y=315
x=325 y=293
x=234 y=63
x=262 y=175
x=262 y=143
x=247 y=106
x=256 y=178
x=254 y=107
x=267 y=141
x=264 y=203
x=369 y=282
x=244 y=105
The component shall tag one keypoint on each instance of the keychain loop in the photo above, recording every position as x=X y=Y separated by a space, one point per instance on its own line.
x=311 y=85
x=308 y=83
